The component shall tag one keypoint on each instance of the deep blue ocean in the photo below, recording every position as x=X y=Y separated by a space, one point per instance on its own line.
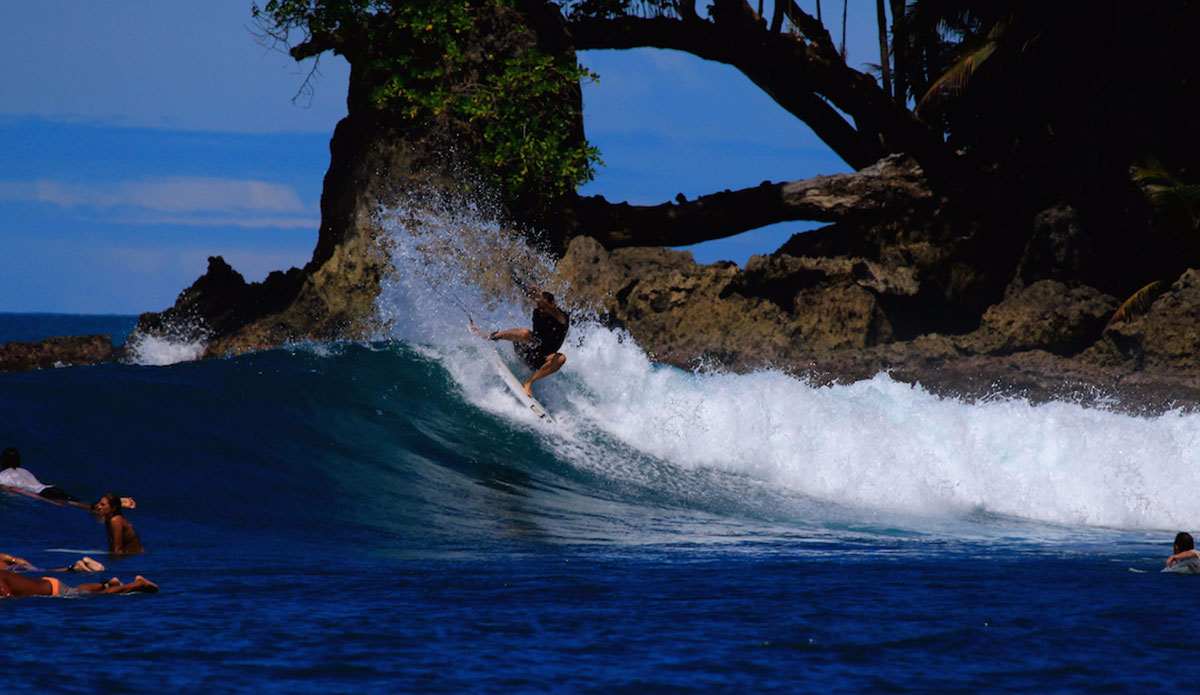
x=383 y=517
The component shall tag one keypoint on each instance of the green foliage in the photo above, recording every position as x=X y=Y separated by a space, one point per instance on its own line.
x=418 y=63
x=1176 y=201
x=610 y=9
x=1024 y=84
x=523 y=111
x=315 y=17
x=958 y=76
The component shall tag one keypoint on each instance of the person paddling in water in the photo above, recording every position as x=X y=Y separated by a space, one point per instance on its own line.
x=13 y=585
x=1185 y=552
x=537 y=348
x=121 y=538
x=14 y=478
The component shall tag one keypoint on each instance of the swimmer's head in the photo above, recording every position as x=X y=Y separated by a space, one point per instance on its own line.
x=11 y=458
x=534 y=292
x=1183 y=541
x=109 y=504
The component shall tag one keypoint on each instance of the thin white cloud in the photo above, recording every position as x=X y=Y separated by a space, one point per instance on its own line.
x=176 y=201
x=312 y=223
x=179 y=194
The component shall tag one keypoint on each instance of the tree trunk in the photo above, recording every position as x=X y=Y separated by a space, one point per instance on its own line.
x=899 y=48
x=892 y=187
x=845 y=13
x=884 y=70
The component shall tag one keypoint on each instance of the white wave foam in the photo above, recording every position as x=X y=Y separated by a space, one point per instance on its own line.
x=874 y=445
x=160 y=351
x=885 y=445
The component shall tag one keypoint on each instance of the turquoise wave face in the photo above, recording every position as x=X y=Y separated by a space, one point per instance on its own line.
x=391 y=441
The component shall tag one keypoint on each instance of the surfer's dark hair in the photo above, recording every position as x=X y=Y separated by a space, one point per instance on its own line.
x=549 y=297
x=11 y=458
x=115 y=503
x=1183 y=541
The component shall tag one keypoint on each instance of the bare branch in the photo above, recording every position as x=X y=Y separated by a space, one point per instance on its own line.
x=276 y=38
x=307 y=90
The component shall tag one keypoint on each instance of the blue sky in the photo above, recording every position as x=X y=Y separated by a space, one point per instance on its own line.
x=139 y=138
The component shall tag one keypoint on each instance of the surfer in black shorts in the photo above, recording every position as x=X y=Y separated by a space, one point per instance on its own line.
x=538 y=348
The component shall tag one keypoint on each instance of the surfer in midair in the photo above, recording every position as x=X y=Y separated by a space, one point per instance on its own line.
x=537 y=348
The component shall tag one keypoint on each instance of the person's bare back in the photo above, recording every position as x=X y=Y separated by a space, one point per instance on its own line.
x=121 y=538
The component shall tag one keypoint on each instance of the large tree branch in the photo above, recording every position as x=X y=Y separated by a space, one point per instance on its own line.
x=889 y=187
x=798 y=72
x=318 y=44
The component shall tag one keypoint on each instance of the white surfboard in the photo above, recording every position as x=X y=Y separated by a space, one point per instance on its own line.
x=510 y=380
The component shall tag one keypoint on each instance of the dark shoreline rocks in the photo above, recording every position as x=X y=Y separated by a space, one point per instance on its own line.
x=823 y=319
x=60 y=351
x=686 y=315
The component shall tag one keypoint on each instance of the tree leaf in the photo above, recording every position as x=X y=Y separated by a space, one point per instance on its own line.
x=1138 y=304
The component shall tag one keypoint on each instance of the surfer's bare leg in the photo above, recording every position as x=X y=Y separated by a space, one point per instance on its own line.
x=553 y=364
x=115 y=586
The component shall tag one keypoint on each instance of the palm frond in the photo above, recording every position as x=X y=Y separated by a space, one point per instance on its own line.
x=1176 y=201
x=1138 y=304
x=955 y=80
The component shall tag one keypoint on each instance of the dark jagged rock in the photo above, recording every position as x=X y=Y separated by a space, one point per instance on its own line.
x=1057 y=250
x=1047 y=315
x=221 y=302
x=1167 y=337
x=66 y=351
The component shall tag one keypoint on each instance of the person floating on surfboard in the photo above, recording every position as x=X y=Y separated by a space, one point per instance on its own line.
x=14 y=478
x=13 y=585
x=537 y=348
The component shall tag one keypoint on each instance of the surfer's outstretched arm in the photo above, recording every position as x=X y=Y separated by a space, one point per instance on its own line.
x=515 y=335
x=12 y=562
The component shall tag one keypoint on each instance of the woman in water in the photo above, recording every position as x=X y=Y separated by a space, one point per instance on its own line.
x=121 y=538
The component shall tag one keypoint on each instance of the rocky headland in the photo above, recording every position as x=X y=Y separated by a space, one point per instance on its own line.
x=992 y=282
x=820 y=308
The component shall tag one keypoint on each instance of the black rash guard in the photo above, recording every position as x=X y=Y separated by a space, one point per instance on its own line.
x=548 y=337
